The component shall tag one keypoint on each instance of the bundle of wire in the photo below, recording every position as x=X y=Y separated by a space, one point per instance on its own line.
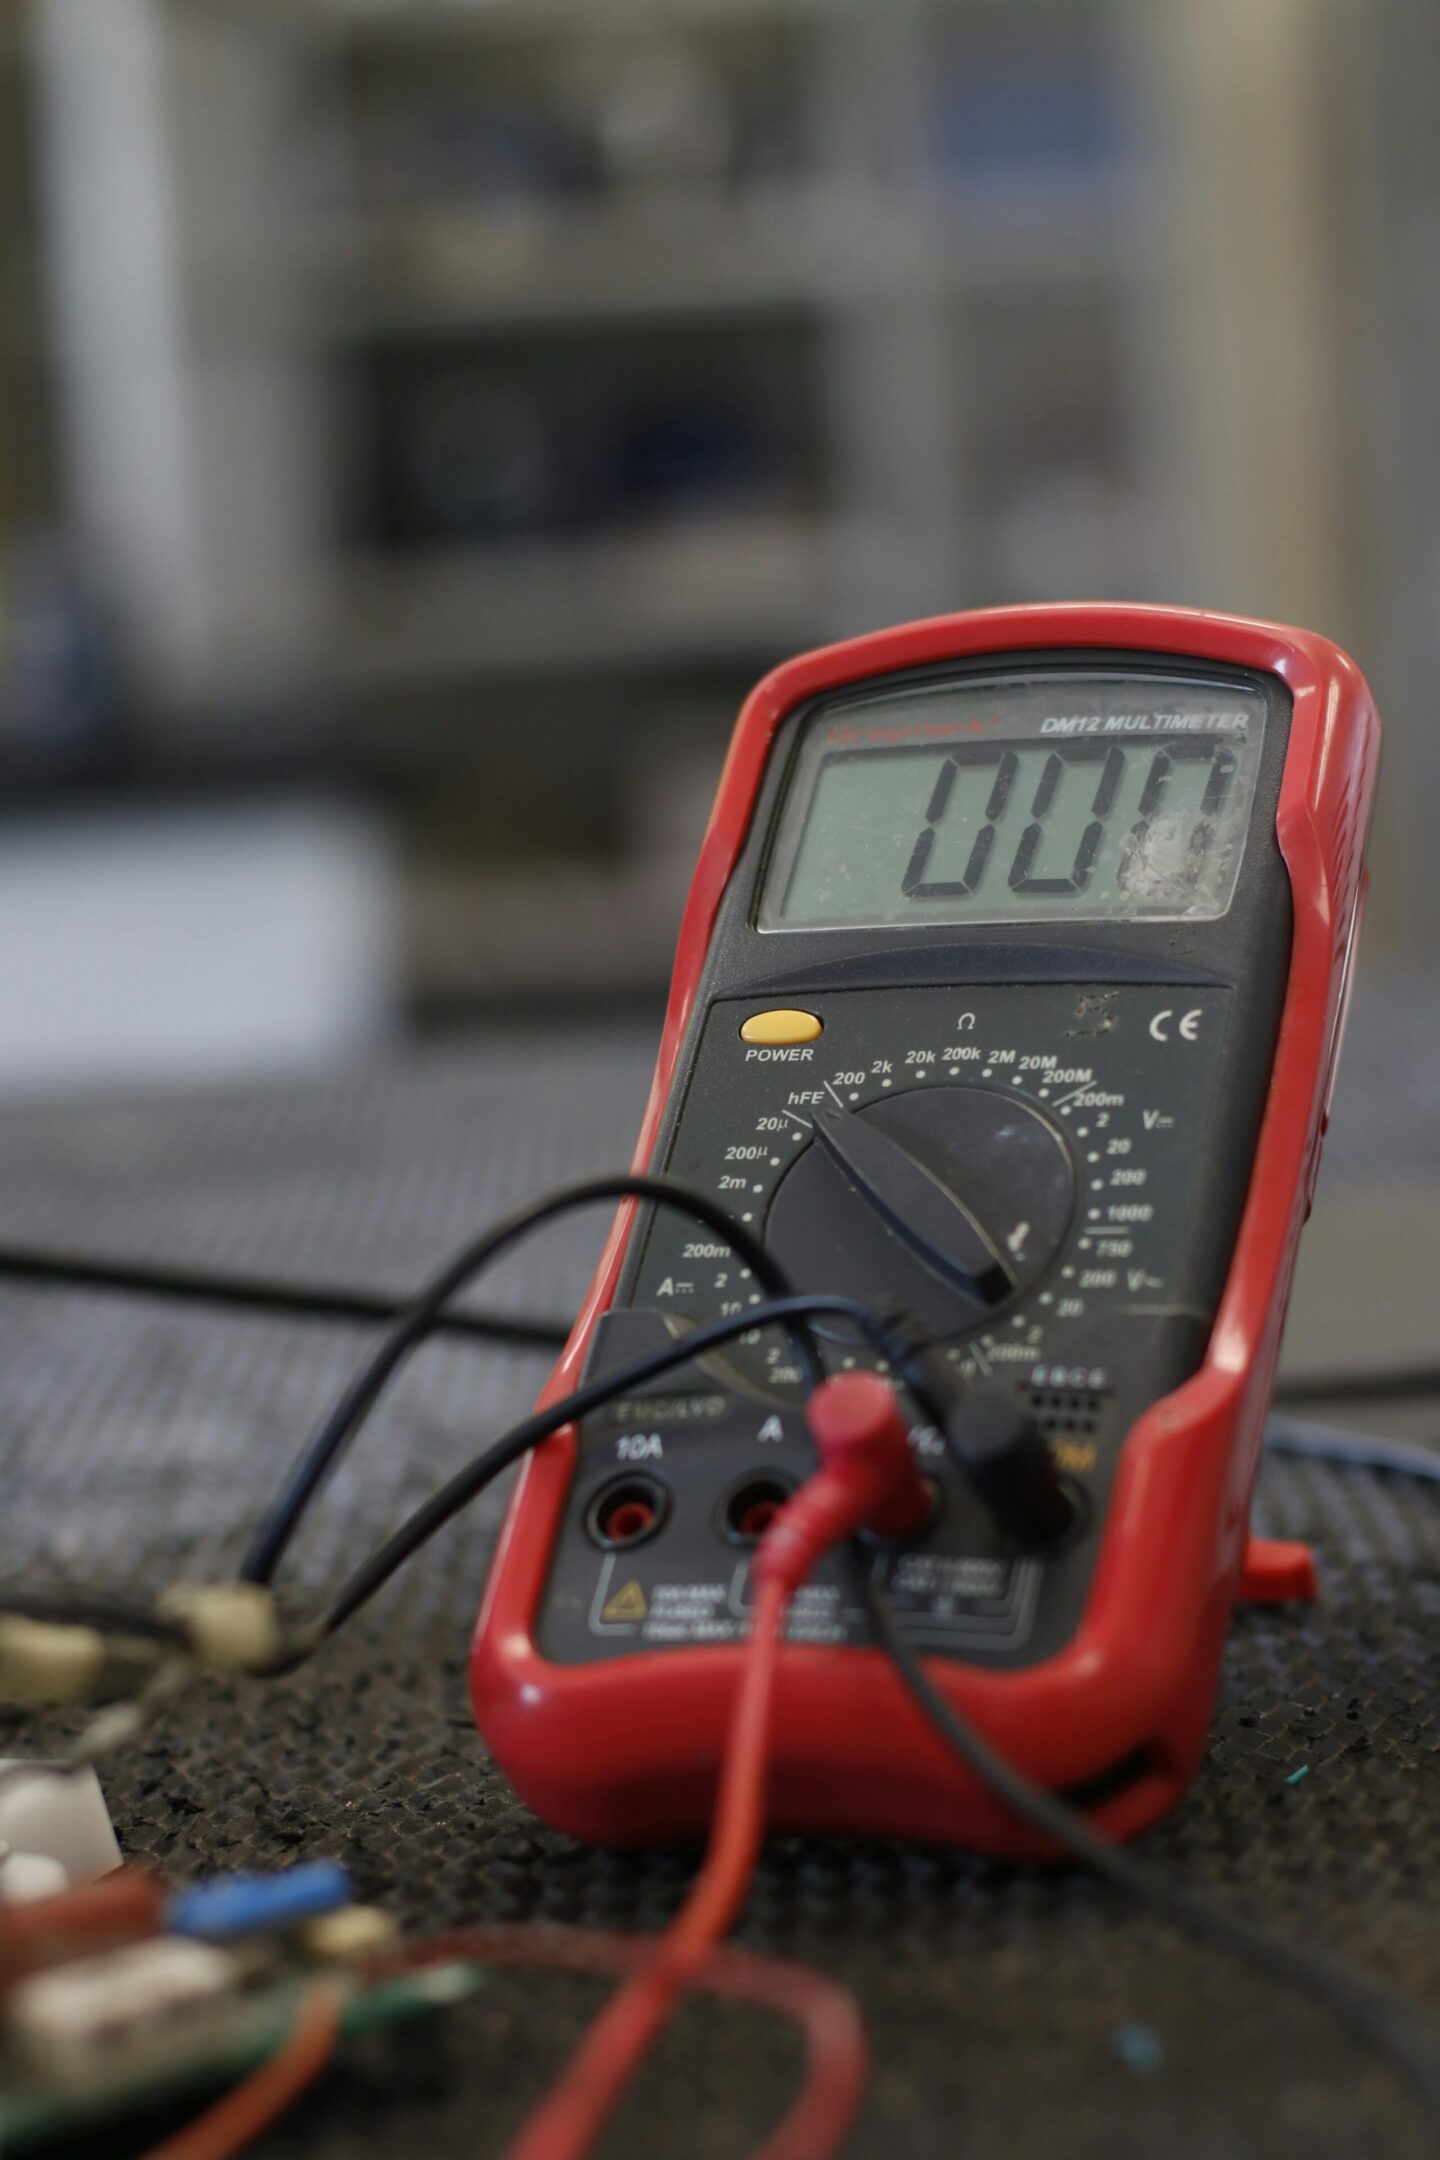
x=576 y=2109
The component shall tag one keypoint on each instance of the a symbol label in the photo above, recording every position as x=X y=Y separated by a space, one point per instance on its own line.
x=1187 y=1026
x=628 y=1603
x=772 y=1429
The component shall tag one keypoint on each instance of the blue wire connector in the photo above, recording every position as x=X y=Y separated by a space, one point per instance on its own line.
x=233 y=1905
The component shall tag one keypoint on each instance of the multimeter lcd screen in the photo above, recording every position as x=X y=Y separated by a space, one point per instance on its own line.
x=1019 y=799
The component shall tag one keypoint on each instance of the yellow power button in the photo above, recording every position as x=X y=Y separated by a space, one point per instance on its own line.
x=782 y=1026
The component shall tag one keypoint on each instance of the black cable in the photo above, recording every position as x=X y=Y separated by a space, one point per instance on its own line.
x=1353 y=1450
x=471 y=1480
x=262 y=1293
x=1401 y=2032
x=346 y=1302
x=350 y=1303
x=86 y=1608
x=420 y=1317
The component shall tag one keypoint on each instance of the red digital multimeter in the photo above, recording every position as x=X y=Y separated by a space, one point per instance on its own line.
x=1010 y=988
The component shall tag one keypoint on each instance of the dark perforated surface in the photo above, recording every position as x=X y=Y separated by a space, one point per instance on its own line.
x=134 y=1440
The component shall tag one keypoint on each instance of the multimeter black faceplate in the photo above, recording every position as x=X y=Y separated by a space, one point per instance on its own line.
x=1103 y=1084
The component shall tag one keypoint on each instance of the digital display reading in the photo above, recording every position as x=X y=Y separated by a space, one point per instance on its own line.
x=1081 y=796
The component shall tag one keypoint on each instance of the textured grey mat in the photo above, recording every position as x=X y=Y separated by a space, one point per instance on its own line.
x=376 y=1177
x=135 y=1439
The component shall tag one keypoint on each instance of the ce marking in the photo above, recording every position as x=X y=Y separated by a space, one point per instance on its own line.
x=1187 y=1026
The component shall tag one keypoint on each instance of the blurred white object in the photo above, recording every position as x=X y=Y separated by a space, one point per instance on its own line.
x=193 y=460
x=144 y=945
x=63 y=1819
x=26 y=1876
x=156 y=2001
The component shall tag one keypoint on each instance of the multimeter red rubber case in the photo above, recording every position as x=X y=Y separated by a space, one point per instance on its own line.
x=627 y=1751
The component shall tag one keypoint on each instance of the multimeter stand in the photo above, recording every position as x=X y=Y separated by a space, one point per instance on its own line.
x=1278 y=1571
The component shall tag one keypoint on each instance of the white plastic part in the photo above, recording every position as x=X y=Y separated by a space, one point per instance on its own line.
x=25 y=1876
x=118 y=2014
x=63 y=1818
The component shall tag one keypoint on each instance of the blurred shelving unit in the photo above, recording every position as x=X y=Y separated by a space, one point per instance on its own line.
x=572 y=283
x=13 y=329
x=56 y=722
x=1393 y=59
x=25 y=463
x=493 y=389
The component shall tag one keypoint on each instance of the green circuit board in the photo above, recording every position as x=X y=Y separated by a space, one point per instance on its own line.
x=32 y=2115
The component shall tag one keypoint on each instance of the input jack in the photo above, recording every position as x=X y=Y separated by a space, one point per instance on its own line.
x=933 y=1514
x=627 y=1513
x=752 y=1507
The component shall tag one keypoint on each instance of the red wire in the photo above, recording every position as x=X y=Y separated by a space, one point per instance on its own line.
x=574 y=2112
x=867 y=1474
x=264 y=2096
x=836 y=2064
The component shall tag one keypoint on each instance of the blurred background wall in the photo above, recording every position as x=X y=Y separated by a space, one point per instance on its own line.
x=420 y=420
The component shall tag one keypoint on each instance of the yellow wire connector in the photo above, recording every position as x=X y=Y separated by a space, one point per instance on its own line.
x=42 y=1661
x=232 y=1627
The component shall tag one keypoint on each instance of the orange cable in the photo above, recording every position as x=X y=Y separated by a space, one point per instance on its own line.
x=260 y=2099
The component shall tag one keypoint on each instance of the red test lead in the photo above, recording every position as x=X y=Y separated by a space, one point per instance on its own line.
x=867 y=1480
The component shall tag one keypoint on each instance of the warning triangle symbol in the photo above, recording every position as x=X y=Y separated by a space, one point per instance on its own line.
x=627 y=1604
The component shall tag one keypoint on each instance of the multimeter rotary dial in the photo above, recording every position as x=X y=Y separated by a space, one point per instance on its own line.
x=954 y=1199
x=1014 y=1165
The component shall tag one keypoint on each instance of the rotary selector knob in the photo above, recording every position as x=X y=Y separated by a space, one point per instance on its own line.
x=954 y=1200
